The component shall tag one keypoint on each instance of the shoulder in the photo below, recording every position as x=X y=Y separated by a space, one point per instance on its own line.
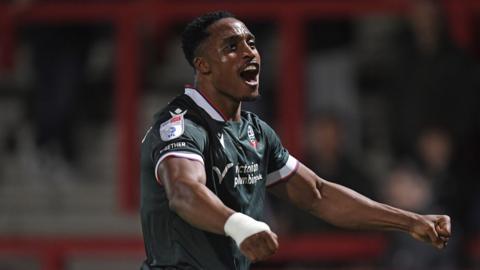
x=171 y=126
x=175 y=121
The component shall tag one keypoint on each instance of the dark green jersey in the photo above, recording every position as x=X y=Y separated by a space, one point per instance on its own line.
x=240 y=158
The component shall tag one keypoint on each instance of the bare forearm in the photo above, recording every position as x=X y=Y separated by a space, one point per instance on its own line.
x=188 y=196
x=346 y=208
x=201 y=208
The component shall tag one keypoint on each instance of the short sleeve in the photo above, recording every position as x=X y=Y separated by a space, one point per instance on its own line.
x=187 y=143
x=281 y=165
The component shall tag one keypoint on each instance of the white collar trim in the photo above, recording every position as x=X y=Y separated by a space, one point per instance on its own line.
x=203 y=103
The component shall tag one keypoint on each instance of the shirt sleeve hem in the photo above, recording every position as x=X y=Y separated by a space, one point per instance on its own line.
x=284 y=173
x=187 y=155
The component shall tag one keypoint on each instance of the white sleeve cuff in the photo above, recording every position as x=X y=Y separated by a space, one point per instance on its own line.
x=187 y=155
x=287 y=170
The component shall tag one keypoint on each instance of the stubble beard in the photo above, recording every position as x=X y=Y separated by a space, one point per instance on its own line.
x=250 y=98
x=242 y=99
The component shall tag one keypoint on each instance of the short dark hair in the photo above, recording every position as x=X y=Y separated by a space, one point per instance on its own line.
x=196 y=32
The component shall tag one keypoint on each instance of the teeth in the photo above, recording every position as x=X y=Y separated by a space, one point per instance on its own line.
x=250 y=68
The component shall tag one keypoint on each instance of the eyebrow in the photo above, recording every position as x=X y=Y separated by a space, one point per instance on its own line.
x=236 y=38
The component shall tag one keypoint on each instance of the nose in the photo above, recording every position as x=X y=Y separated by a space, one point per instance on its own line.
x=248 y=52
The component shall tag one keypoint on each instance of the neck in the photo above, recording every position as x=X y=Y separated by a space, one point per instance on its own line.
x=227 y=105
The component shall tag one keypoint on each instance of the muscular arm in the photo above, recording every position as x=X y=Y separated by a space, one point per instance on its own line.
x=184 y=182
x=346 y=208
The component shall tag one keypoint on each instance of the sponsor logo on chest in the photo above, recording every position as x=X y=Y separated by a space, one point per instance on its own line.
x=245 y=174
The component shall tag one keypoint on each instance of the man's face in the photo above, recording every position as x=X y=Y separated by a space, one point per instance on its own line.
x=234 y=62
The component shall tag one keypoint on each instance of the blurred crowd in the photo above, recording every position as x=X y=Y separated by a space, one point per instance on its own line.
x=393 y=111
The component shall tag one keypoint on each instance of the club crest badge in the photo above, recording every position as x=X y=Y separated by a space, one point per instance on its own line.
x=173 y=127
x=251 y=137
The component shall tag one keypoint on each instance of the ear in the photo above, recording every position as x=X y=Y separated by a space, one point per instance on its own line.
x=201 y=65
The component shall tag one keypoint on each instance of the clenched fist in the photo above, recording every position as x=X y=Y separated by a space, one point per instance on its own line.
x=433 y=229
x=260 y=246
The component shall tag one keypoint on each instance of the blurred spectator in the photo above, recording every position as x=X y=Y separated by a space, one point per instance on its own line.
x=429 y=179
x=59 y=61
x=427 y=185
x=326 y=156
x=406 y=188
x=435 y=82
x=331 y=78
x=60 y=58
x=431 y=82
x=434 y=148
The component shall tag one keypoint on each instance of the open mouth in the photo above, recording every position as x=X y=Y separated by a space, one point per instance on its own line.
x=250 y=73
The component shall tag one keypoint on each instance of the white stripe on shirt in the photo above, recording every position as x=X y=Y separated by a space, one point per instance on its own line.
x=187 y=155
x=289 y=167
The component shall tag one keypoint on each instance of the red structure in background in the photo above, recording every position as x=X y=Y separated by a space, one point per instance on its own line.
x=291 y=17
x=54 y=253
x=126 y=17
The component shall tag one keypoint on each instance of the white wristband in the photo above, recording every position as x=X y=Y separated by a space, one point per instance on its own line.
x=240 y=226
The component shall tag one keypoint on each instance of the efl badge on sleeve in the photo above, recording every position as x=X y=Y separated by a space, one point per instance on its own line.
x=173 y=127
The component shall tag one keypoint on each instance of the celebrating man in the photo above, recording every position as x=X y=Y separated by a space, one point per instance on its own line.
x=206 y=166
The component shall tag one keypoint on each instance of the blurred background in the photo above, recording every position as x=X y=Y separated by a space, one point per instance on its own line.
x=379 y=95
